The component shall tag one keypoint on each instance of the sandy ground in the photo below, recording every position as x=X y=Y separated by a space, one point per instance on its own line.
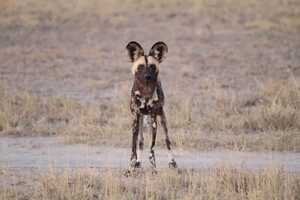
x=42 y=153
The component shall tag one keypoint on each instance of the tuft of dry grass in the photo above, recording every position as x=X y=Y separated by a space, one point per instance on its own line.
x=280 y=110
x=24 y=114
x=274 y=108
x=267 y=120
x=223 y=182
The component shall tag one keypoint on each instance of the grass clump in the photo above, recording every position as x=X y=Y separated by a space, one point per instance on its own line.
x=223 y=182
x=280 y=110
x=275 y=107
x=24 y=114
x=270 y=121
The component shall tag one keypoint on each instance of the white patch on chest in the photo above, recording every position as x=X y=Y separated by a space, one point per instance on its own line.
x=143 y=101
x=137 y=93
x=154 y=98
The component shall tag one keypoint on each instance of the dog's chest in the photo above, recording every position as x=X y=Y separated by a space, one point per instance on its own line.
x=144 y=104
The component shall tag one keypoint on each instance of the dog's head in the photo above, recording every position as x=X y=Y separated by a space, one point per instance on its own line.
x=146 y=67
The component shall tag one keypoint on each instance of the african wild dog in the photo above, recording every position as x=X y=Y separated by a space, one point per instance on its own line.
x=147 y=99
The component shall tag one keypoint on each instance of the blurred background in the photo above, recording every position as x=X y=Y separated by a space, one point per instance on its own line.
x=230 y=77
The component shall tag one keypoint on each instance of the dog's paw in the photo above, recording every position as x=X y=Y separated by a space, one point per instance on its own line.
x=127 y=173
x=152 y=160
x=173 y=164
x=154 y=171
x=138 y=164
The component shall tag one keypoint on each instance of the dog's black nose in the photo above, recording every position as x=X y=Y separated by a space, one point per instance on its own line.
x=147 y=77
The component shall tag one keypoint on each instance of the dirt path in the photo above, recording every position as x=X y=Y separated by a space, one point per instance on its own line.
x=46 y=152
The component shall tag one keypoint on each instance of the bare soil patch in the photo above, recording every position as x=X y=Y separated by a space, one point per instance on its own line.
x=40 y=153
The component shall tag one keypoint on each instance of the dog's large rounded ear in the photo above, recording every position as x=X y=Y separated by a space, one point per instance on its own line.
x=159 y=51
x=135 y=50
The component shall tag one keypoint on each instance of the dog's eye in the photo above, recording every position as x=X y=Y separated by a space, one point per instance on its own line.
x=141 y=67
x=152 y=67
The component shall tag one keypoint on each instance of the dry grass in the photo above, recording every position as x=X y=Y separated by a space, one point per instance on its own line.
x=274 y=108
x=280 y=109
x=24 y=114
x=223 y=182
x=270 y=121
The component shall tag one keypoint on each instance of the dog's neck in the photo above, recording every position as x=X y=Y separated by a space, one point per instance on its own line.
x=144 y=89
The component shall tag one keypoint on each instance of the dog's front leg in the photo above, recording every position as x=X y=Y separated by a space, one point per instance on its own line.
x=172 y=163
x=153 y=127
x=135 y=132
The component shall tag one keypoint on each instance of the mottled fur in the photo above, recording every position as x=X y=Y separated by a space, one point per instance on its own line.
x=147 y=99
